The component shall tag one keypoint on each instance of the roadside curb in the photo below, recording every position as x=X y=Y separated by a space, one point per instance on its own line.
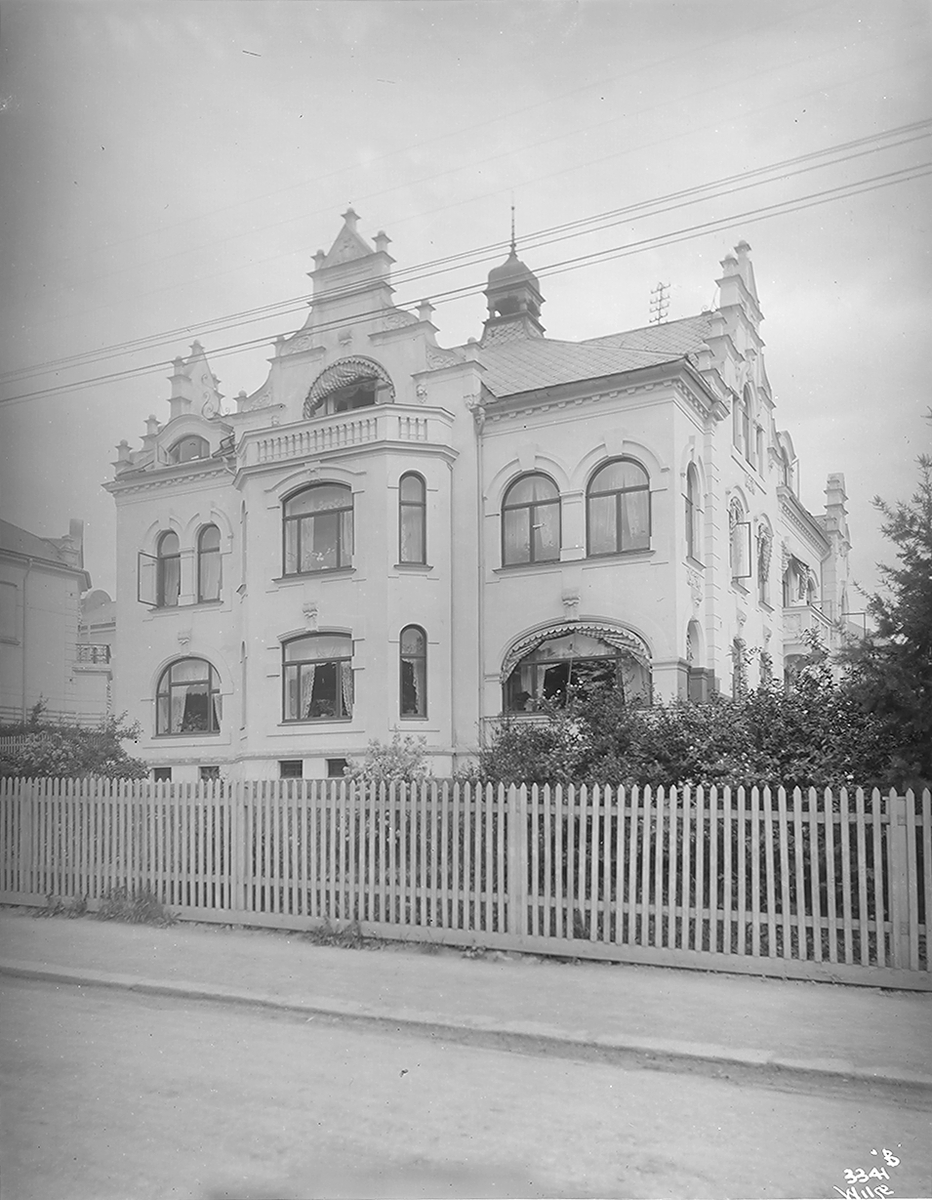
x=657 y=1054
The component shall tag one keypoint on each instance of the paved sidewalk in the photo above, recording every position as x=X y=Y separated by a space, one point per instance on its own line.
x=687 y=1017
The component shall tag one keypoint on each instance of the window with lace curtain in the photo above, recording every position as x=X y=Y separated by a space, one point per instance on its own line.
x=188 y=698
x=412 y=519
x=208 y=564
x=531 y=521
x=317 y=678
x=168 y=570
x=618 y=508
x=318 y=529
x=413 y=671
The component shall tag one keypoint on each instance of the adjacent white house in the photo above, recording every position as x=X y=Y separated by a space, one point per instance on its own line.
x=44 y=669
x=390 y=535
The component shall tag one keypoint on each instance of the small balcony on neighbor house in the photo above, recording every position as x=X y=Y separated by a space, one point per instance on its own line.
x=387 y=423
x=91 y=654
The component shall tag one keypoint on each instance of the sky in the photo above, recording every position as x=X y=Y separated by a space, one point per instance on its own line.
x=168 y=169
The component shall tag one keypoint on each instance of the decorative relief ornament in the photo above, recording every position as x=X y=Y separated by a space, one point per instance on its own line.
x=571 y=605
x=421 y=392
x=694 y=579
x=476 y=408
x=309 y=611
x=741 y=617
x=184 y=636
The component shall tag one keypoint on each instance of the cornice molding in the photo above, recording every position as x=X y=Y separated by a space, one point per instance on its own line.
x=802 y=520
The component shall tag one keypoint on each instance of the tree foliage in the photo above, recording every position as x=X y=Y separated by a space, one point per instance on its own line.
x=891 y=671
x=55 y=751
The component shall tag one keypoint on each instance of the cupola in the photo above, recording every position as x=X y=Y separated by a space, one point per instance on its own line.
x=514 y=301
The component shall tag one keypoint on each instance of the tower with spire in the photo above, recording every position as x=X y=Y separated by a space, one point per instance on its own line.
x=514 y=300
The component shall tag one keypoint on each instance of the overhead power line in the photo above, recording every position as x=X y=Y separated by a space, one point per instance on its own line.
x=771 y=173
x=796 y=204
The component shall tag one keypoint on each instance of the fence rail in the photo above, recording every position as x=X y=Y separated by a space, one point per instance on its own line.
x=803 y=884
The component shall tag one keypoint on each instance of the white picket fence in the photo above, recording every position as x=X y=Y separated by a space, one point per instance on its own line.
x=819 y=885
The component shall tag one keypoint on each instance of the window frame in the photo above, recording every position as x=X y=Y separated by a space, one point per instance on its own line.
x=162 y=560
x=293 y=667
x=417 y=506
x=415 y=660
x=531 y=507
x=203 y=446
x=692 y=510
x=618 y=494
x=213 y=693
x=344 y=556
x=201 y=556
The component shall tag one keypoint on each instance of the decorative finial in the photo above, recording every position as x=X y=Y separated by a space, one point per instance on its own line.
x=514 y=248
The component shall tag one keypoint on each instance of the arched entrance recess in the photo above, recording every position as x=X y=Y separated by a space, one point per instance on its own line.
x=546 y=665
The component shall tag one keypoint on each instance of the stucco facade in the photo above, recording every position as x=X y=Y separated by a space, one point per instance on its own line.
x=393 y=536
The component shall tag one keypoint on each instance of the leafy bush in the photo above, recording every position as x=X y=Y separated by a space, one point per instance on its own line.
x=402 y=759
x=70 y=752
x=818 y=735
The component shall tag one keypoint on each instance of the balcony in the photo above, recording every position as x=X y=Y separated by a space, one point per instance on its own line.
x=91 y=654
x=802 y=619
x=345 y=431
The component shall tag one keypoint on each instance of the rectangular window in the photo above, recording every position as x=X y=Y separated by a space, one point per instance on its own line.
x=162 y=774
x=291 y=768
x=209 y=772
x=336 y=767
x=9 y=630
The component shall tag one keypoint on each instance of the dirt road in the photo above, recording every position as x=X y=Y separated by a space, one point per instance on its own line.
x=111 y=1094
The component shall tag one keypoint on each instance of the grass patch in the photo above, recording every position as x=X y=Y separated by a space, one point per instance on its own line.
x=136 y=908
x=56 y=906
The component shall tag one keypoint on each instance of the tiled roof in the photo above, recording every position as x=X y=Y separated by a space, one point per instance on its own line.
x=21 y=541
x=528 y=364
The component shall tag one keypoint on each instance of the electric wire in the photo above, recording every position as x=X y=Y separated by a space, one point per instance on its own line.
x=796 y=204
x=598 y=222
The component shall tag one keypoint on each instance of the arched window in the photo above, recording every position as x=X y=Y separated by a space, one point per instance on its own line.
x=746 y=443
x=531 y=521
x=188 y=448
x=168 y=570
x=208 y=564
x=618 y=508
x=741 y=423
x=412 y=519
x=413 y=671
x=764 y=555
x=188 y=698
x=573 y=662
x=317 y=678
x=739 y=541
x=692 y=512
x=318 y=529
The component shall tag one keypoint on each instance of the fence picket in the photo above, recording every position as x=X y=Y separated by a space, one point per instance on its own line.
x=879 y=863
x=741 y=912
x=912 y=903
x=814 y=883
x=660 y=802
x=830 y=880
x=847 y=915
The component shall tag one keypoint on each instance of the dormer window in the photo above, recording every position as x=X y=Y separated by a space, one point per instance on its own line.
x=188 y=448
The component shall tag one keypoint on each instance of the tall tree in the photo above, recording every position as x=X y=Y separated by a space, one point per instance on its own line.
x=891 y=670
